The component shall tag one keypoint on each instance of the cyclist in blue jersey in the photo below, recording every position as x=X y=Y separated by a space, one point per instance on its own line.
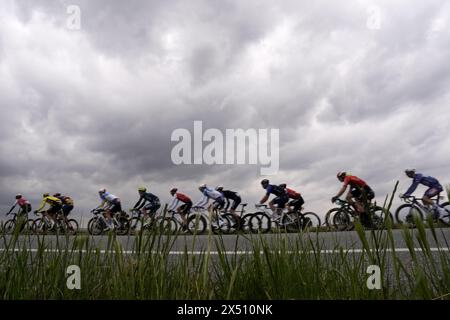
x=281 y=198
x=434 y=188
x=153 y=202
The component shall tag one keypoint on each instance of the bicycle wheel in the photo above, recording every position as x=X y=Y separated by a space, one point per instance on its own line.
x=380 y=216
x=166 y=225
x=123 y=226
x=221 y=226
x=445 y=218
x=40 y=226
x=96 y=226
x=260 y=222
x=407 y=213
x=329 y=217
x=72 y=227
x=234 y=224
x=9 y=226
x=136 y=225
x=196 y=224
x=291 y=222
x=342 y=220
x=310 y=221
x=245 y=225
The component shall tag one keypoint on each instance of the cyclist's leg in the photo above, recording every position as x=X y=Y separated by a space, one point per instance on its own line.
x=428 y=202
x=298 y=203
x=234 y=206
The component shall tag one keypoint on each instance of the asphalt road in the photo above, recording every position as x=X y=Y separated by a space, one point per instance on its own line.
x=328 y=242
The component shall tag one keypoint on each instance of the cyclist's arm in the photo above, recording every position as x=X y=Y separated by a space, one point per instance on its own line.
x=13 y=206
x=101 y=204
x=43 y=203
x=203 y=202
x=341 y=191
x=265 y=198
x=412 y=188
x=136 y=206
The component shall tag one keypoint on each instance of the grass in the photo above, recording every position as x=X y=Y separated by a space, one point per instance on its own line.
x=278 y=266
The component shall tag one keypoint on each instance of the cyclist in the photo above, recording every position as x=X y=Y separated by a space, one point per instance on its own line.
x=280 y=200
x=231 y=195
x=358 y=190
x=210 y=193
x=182 y=210
x=153 y=202
x=297 y=199
x=434 y=188
x=55 y=206
x=67 y=206
x=24 y=204
x=111 y=204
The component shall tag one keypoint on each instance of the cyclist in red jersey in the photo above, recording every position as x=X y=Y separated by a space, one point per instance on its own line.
x=182 y=210
x=297 y=199
x=358 y=190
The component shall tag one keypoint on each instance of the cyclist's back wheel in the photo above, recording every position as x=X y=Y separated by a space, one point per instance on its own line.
x=96 y=226
x=9 y=226
x=40 y=226
x=260 y=222
x=245 y=225
x=380 y=217
x=445 y=218
x=124 y=225
x=329 y=217
x=291 y=222
x=136 y=225
x=407 y=214
x=196 y=224
x=166 y=225
x=233 y=225
x=72 y=226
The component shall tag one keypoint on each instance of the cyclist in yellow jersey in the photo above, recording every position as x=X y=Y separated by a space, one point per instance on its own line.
x=54 y=203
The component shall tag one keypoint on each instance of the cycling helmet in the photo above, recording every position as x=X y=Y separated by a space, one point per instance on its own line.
x=18 y=196
x=265 y=182
x=57 y=194
x=45 y=195
x=202 y=186
x=341 y=175
x=219 y=188
x=142 y=189
x=173 y=191
x=410 y=171
x=103 y=190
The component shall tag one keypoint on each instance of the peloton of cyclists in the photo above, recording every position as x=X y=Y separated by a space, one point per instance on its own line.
x=434 y=188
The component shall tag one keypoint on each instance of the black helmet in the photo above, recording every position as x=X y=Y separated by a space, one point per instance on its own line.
x=57 y=194
x=219 y=188
x=410 y=171
x=173 y=191
x=18 y=196
x=264 y=182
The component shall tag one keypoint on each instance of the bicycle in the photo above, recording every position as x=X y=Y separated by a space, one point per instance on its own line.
x=413 y=209
x=345 y=216
x=43 y=224
x=242 y=224
x=97 y=225
x=152 y=223
x=289 y=221
x=18 y=220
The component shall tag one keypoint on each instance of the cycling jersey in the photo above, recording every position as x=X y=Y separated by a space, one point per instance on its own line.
x=113 y=202
x=23 y=203
x=293 y=194
x=354 y=182
x=179 y=197
x=66 y=200
x=209 y=193
x=146 y=196
x=430 y=182
x=231 y=195
x=276 y=190
x=53 y=202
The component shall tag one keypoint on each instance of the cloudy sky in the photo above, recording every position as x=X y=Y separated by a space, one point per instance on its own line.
x=361 y=86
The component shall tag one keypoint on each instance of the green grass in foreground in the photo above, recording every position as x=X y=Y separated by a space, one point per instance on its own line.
x=282 y=268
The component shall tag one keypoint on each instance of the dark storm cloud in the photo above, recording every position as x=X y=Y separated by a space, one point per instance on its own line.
x=96 y=107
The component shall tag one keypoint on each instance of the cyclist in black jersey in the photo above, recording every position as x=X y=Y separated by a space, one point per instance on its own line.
x=153 y=202
x=231 y=195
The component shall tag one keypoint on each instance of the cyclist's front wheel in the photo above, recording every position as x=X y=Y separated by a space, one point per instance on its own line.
x=196 y=224
x=342 y=220
x=96 y=226
x=291 y=222
x=40 y=226
x=123 y=226
x=310 y=221
x=246 y=226
x=329 y=216
x=9 y=226
x=166 y=225
x=233 y=224
x=408 y=214
x=71 y=226
x=445 y=218
x=260 y=222
x=136 y=225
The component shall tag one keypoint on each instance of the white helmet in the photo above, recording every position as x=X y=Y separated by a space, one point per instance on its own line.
x=202 y=186
x=102 y=190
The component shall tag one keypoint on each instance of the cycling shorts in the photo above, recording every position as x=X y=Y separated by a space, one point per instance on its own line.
x=433 y=191
x=358 y=193
x=116 y=207
x=66 y=209
x=297 y=203
x=186 y=207
x=152 y=207
x=54 y=209
x=236 y=202
x=281 y=200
